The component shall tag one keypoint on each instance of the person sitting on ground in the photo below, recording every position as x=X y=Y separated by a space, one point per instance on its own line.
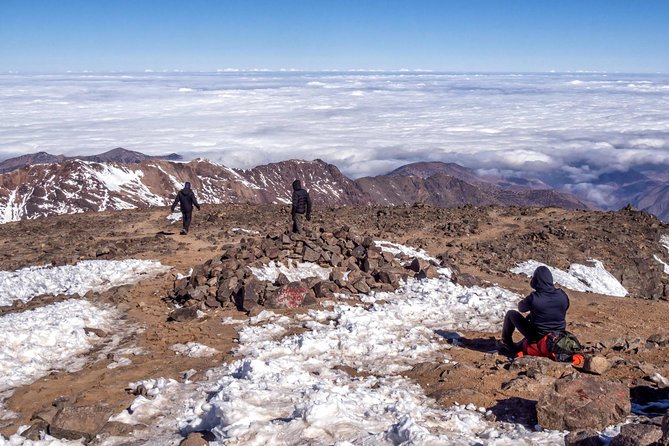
x=186 y=200
x=548 y=309
x=301 y=205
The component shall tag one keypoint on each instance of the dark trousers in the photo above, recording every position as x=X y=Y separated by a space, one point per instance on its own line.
x=514 y=320
x=186 y=219
x=297 y=222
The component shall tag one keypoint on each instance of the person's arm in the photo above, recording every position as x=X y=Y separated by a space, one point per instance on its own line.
x=525 y=305
x=176 y=201
x=295 y=199
x=195 y=203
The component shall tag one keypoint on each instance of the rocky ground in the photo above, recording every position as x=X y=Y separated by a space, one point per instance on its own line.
x=481 y=243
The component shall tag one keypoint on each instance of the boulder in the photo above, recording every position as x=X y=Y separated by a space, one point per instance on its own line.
x=359 y=252
x=194 y=439
x=596 y=364
x=34 y=432
x=638 y=435
x=586 y=437
x=310 y=255
x=583 y=403
x=665 y=431
x=183 y=314
x=248 y=296
x=418 y=264
x=289 y=296
x=74 y=422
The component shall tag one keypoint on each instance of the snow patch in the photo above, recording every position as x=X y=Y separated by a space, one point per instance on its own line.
x=193 y=350
x=294 y=271
x=51 y=337
x=593 y=279
x=85 y=276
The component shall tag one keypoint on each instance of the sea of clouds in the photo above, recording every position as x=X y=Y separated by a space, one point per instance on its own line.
x=566 y=129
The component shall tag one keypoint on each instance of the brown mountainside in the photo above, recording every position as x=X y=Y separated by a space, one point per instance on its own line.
x=75 y=185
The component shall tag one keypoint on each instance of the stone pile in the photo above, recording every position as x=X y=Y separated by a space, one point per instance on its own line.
x=355 y=263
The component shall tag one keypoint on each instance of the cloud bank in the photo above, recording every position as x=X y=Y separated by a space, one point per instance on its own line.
x=566 y=129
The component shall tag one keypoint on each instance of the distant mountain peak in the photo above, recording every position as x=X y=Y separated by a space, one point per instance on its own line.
x=117 y=155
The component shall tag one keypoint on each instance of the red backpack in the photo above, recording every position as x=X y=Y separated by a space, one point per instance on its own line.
x=561 y=347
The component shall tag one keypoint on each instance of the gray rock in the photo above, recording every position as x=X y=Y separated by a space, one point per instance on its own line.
x=34 y=432
x=74 y=422
x=597 y=365
x=183 y=314
x=586 y=437
x=638 y=435
x=248 y=296
x=310 y=255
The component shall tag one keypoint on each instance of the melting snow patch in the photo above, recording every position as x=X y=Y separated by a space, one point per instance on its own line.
x=174 y=217
x=89 y=275
x=51 y=337
x=244 y=231
x=398 y=249
x=664 y=241
x=290 y=391
x=295 y=271
x=594 y=279
x=146 y=407
x=47 y=440
x=193 y=350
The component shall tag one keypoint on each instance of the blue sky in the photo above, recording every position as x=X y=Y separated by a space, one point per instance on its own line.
x=467 y=35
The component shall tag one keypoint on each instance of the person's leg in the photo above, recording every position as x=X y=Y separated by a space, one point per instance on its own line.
x=515 y=320
x=297 y=222
x=187 y=218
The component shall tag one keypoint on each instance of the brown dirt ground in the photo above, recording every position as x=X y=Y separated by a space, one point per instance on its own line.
x=146 y=234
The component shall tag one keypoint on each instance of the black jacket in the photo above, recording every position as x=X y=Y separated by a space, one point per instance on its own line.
x=301 y=199
x=186 y=200
x=547 y=305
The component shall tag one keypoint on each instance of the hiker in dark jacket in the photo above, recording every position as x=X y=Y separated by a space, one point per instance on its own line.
x=547 y=306
x=301 y=206
x=186 y=200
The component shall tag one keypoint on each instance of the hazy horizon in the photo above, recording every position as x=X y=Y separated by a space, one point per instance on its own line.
x=566 y=129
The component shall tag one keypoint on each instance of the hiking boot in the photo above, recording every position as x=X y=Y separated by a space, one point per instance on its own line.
x=183 y=232
x=506 y=349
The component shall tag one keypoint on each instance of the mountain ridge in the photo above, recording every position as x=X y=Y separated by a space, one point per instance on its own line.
x=118 y=154
x=74 y=185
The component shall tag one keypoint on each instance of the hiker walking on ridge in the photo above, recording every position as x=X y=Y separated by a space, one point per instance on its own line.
x=301 y=205
x=186 y=200
x=548 y=309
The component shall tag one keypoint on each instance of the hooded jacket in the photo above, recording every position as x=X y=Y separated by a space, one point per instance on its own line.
x=186 y=199
x=547 y=305
x=301 y=199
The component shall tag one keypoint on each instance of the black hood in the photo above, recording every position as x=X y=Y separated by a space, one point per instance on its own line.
x=297 y=185
x=542 y=279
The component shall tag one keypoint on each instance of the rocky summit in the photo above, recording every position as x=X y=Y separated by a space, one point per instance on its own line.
x=234 y=267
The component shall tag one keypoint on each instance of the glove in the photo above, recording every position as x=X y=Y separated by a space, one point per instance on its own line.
x=308 y=217
x=198 y=208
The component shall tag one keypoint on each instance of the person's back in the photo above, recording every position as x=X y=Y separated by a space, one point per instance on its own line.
x=301 y=201
x=186 y=200
x=548 y=310
x=547 y=305
x=301 y=204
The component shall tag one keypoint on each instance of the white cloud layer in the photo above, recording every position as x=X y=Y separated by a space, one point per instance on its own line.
x=566 y=128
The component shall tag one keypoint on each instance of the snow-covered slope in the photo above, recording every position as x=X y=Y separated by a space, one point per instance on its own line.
x=76 y=185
